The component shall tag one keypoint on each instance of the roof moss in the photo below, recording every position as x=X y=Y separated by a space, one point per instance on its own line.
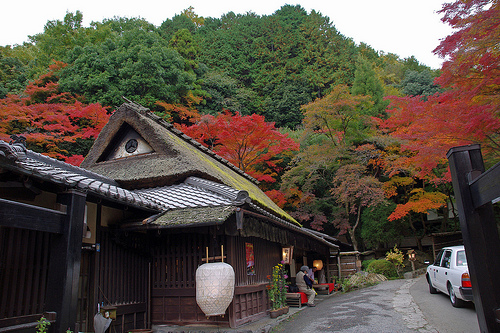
x=176 y=156
x=194 y=216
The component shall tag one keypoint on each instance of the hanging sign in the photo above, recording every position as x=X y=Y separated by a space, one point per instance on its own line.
x=250 y=259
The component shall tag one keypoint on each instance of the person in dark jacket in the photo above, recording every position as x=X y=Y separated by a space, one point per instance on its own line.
x=305 y=285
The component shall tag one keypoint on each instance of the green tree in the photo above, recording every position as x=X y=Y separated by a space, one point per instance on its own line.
x=138 y=65
x=118 y=25
x=419 y=83
x=170 y=26
x=226 y=93
x=185 y=44
x=282 y=106
x=328 y=56
x=60 y=37
x=366 y=82
x=336 y=116
x=376 y=229
x=14 y=69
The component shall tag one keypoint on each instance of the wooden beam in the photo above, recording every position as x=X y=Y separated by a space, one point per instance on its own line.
x=213 y=259
x=20 y=215
x=486 y=187
x=480 y=235
x=25 y=322
x=65 y=257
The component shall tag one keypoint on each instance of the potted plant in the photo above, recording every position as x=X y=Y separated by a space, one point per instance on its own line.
x=276 y=291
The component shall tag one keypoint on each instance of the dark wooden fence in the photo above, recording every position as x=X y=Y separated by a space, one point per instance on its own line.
x=175 y=259
x=24 y=268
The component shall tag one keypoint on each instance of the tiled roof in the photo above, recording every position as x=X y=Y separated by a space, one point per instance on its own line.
x=17 y=157
x=194 y=202
x=195 y=192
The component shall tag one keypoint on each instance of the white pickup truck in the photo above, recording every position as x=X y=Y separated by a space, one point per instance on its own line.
x=449 y=274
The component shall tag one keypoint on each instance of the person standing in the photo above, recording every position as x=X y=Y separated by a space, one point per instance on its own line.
x=305 y=285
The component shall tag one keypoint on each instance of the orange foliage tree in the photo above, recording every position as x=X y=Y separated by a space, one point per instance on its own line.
x=51 y=120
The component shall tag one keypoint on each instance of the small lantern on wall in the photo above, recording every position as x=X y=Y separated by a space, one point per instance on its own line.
x=214 y=287
x=318 y=264
x=287 y=254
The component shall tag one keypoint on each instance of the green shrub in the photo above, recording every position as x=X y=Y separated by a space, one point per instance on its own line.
x=365 y=263
x=384 y=267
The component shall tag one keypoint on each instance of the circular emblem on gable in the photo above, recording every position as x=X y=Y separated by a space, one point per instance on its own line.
x=131 y=146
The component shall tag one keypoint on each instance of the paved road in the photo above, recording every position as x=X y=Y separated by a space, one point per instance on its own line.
x=440 y=314
x=392 y=306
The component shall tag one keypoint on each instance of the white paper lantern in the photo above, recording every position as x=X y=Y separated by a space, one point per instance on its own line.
x=214 y=288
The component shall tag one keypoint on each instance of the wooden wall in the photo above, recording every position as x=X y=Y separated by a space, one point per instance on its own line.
x=250 y=300
x=347 y=265
x=116 y=275
x=123 y=278
x=175 y=260
x=24 y=264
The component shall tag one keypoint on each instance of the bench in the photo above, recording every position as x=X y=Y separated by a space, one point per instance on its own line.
x=324 y=288
x=296 y=299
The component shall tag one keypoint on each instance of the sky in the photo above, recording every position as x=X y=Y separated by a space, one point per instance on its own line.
x=403 y=27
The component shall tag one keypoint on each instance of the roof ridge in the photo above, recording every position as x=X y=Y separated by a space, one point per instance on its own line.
x=12 y=150
x=162 y=122
x=238 y=196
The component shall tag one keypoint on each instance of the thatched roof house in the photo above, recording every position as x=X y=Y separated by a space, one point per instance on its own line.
x=164 y=156
x=132 y=224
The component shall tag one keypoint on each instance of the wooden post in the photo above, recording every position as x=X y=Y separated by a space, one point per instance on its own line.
x=480 y=234
x=65 y=256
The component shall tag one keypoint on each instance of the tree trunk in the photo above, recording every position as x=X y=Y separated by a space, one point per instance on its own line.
x=417 y=239
x=352 y=232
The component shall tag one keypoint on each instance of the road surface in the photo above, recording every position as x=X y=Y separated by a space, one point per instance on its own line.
x=399 y=306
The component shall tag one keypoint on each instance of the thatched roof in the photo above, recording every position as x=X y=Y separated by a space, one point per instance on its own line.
x=169 y=159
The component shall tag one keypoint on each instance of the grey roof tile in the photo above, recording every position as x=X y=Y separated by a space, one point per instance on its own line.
x=188 y=195
x=49 y=169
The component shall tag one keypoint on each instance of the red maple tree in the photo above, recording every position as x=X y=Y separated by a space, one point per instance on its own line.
x=354 y=190
x=468 y=111
x=249 y=142
x=473 y=57
x=47 y=117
